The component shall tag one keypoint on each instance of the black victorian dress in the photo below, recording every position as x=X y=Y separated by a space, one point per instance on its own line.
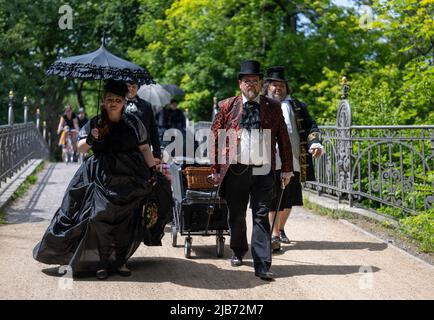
x=101 y=221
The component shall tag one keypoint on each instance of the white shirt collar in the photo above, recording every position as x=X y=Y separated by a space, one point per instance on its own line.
x=288 y=98
x=257 y=99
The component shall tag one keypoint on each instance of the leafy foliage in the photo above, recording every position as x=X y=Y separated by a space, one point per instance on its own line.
x=396 y=77
x=421 y=228
x=31 y=39
x=200 y=44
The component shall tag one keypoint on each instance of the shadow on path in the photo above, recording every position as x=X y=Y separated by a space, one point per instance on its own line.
x=333 y=245
x=188 y=273
x=16 y=216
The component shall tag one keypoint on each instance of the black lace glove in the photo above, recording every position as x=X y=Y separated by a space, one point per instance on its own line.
x=90 y=139
x=153 y=179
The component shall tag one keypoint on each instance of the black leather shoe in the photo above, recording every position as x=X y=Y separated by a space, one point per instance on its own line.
x=122 y=270
x=236 y=261
x=283 y=238
x=124 y=273
x=102 y=274
x=275 y=243
x=267 y=276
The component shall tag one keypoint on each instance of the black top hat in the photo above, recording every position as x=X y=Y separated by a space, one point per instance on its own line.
x=250 y=67
x=116 y=87
x=131 y=82
x=275 y=74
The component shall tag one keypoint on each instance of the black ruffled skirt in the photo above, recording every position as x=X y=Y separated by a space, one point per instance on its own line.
x=99 y=223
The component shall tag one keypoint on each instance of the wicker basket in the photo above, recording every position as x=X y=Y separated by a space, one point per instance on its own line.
x=197 y=177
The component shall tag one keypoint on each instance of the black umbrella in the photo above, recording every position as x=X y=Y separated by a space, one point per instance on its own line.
x=174 y=90
x=99 y=65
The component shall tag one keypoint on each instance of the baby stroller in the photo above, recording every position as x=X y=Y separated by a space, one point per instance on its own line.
x=198 y=209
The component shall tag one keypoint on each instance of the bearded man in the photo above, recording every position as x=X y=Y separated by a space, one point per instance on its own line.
x=241 y=176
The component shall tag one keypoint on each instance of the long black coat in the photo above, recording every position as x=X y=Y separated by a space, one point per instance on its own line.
x=146 y=114
x=309 y=134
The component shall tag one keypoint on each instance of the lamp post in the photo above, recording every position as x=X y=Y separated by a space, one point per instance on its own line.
x=37 y=118
x=11 y=108
x=214 y=108
x=44 y=130
x=345 y=88
x=26 y=109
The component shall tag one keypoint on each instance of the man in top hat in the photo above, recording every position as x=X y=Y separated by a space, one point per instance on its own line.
x=304 y=136
x=143 y=109
x=242 y=177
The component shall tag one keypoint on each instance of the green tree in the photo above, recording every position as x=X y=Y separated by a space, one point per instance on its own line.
x=31 y=39
x=200 y=44
x=397 y=77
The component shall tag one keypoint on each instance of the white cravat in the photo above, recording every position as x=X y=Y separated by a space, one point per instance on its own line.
x=287 y=110
x=252 y=150
x=289 y=117
x=257 y=99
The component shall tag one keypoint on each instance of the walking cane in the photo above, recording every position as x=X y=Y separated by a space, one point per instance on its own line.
x=282 y=186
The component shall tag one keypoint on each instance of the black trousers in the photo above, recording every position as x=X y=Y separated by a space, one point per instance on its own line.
x=240 y=183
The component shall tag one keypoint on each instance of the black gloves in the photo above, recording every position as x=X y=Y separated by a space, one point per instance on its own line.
x=90 y=139
x=153 y=172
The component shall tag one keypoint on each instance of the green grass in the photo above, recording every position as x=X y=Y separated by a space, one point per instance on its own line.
x=420 y=228
x=416 y=229
x=331 y=213
x=30 y=180
x=2 y=214
x=23 y=188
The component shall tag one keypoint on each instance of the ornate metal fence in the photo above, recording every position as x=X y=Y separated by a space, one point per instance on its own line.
x=19 y=143
x=380 y=165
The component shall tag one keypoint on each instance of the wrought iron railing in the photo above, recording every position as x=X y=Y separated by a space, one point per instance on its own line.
x=380 y=165
x=19 y=143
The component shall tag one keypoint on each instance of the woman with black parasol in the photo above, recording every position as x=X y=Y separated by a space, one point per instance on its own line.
x=98 y=226
x=103 y=219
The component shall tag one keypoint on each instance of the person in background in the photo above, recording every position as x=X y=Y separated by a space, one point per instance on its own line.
x=143 y=109
x=172 y=117
x=82 y=119
x=304 y=135
x=68 y=124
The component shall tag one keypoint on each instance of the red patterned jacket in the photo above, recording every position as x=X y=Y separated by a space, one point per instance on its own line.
x=229 y=117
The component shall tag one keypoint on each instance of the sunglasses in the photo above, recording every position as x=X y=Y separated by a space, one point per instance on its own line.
x=254 y=82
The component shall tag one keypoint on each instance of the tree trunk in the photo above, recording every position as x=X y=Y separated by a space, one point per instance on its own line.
x=290 y=10
x=291 y=22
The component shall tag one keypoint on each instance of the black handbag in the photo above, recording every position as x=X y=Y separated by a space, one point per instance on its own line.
x=156 y=211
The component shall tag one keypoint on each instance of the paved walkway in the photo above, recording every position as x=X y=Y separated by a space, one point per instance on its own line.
x=8 y=187
x=330 y=259
x=44 y=197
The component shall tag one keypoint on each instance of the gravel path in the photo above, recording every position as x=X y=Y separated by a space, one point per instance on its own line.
x=329 y=259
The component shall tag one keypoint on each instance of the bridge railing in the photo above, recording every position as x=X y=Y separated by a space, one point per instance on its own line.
x=19 y=143
x=378 y=165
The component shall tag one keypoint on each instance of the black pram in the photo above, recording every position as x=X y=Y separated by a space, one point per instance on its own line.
x=197 y=212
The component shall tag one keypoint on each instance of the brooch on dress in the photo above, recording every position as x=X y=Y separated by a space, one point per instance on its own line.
x=149 y=214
